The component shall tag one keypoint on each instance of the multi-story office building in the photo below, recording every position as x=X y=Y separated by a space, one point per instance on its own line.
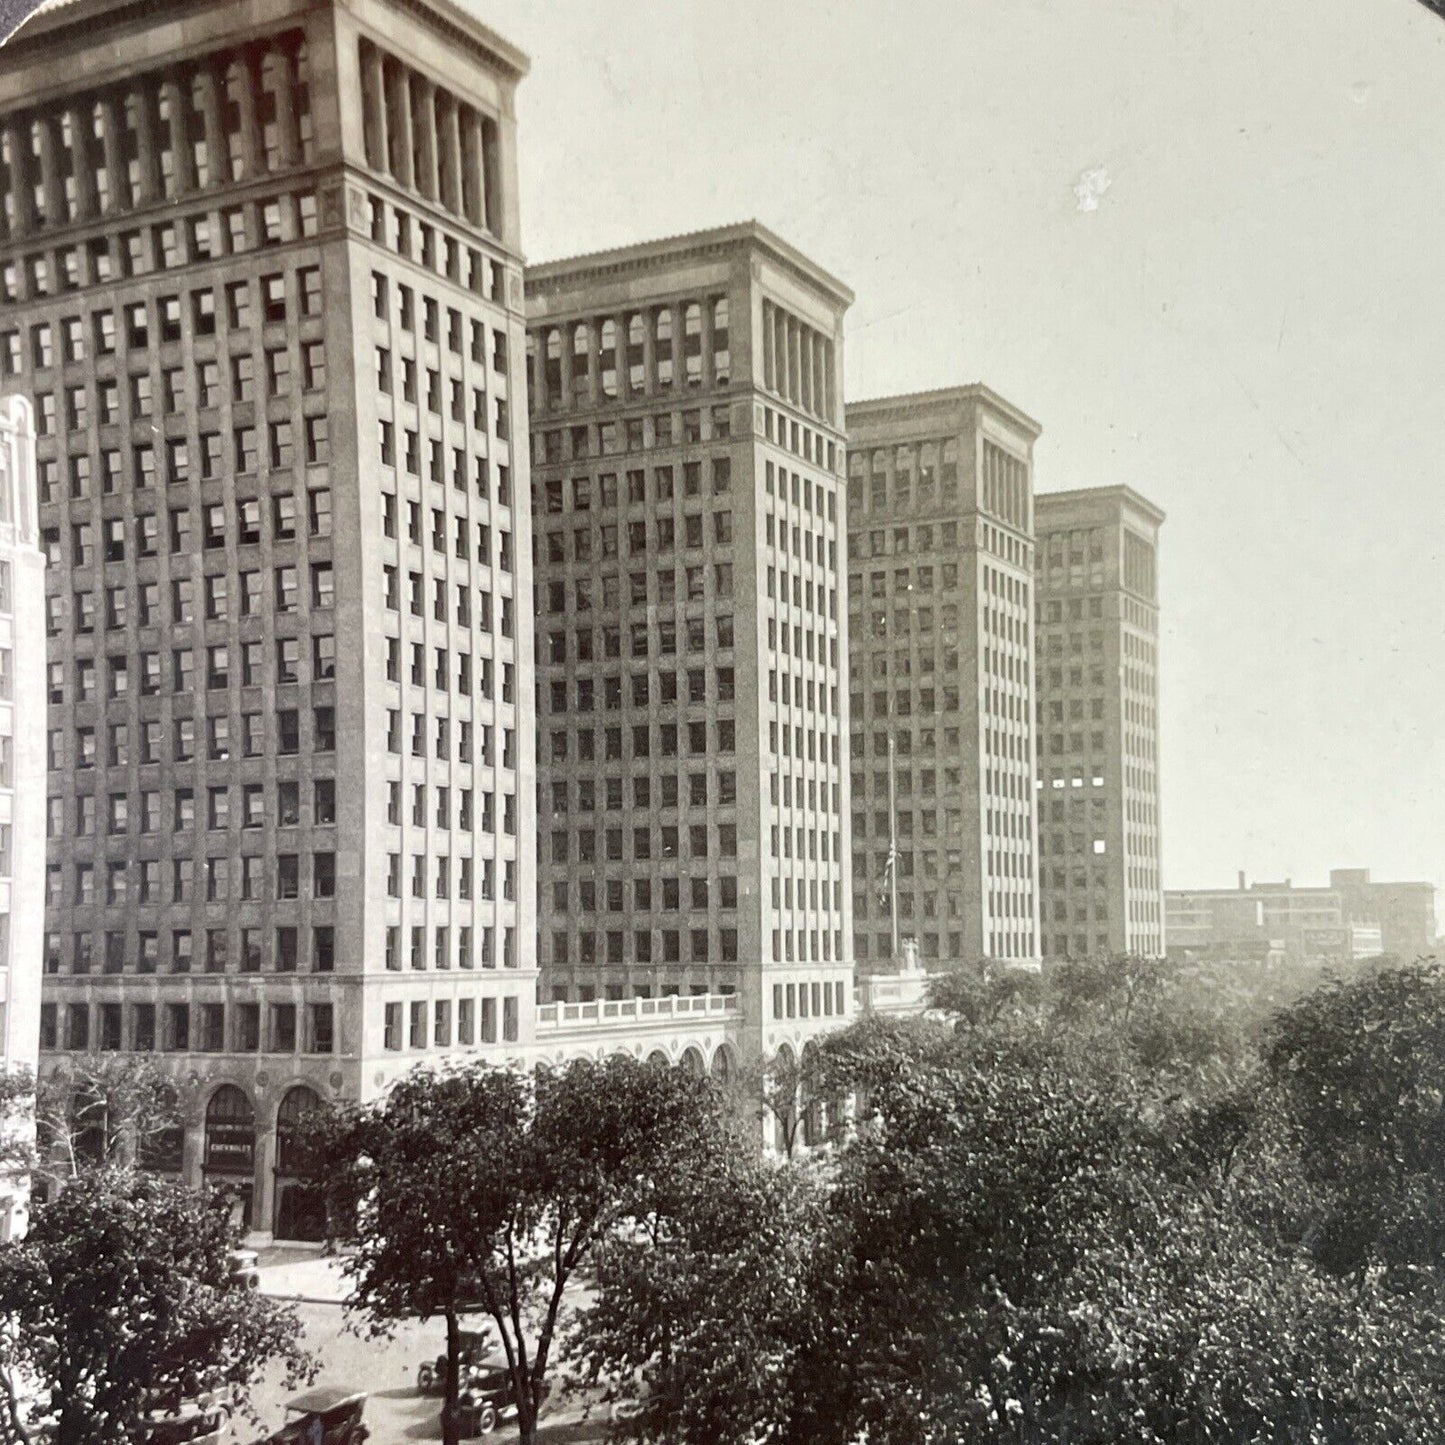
x=688 y=514
x=1097 y=628
x=259 y=275
x=22 y=771
x=940 y=598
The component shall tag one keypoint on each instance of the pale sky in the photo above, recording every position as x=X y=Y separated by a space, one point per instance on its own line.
x=1249 y=328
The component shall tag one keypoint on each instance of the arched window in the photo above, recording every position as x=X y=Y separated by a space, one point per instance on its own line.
x=636 y=353
x=721 y=346
x=607 y=359
x=296 y=1104
x=692 y=343
x=662 y=324
x=553 y=373
x=230 y=1132
x=581 y=345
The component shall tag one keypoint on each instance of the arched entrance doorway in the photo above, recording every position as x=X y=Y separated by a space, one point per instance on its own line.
x=300 y=1209
x=230 y=1154
x=691 y=1060
x=722 y=1065
x=659 y=1057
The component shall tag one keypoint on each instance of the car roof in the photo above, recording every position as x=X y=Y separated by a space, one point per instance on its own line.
x=328 y=1397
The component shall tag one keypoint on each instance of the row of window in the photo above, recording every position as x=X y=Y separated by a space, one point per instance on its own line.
x=655 y=430
x=435 y=249
x=278 y=805
x=273 y=299
x=221 y=951
x=442 y=739
x=210 y=879
x=643 y=946
x=432 y=1027
x=464 y=873
x=253 y=225
x=474 y=948
x=250 y=738
x=149 y=677
x=587 y=363
x=700 y=792
x=226 y=117
x=704 y=840
x=201 y=1028
x=71 y=409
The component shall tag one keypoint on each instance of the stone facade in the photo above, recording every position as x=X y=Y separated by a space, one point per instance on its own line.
x=689 y=514
x=940 y=596
x=1097 y=624
x=259 y=276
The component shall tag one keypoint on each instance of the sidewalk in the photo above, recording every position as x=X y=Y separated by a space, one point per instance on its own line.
x=302 y=1275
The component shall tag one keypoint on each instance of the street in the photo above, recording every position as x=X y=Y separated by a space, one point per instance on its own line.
x=383 y=1367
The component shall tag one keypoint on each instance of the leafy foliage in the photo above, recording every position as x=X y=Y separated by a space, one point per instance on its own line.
x=101 y=1110
x=1109 y=1207
x=482 y=1188
x=121 y=1300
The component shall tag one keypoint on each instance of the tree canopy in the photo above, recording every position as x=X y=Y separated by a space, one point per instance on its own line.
x=1107 y=1207
x=120 y=1300
x=482 y=1188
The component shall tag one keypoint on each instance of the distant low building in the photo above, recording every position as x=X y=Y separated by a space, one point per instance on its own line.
x=1347 y=920
x=1405 y=912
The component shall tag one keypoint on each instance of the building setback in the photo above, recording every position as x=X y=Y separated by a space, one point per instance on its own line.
x=940 y=598
x=688 y=514
x=1097 y=628
x=259 y=276
x=22 y=767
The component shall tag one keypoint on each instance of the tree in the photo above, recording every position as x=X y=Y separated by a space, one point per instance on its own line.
x=979 y=995
x=1359 y=1070
x=698 y=1318
x=1078 y=1221
x=120 y=1300
x=480 y=1187
x=102 y=1110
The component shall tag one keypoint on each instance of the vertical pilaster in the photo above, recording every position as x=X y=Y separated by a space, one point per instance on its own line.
x=398 y=93
x=147 y=143
x=288 y=130
x=492 y=173
x=473 y=179
x=17 y=140
x=424 y=112
x=253 y=149
x=52 y=183
x=373 y=99
x=176 y=94
x=82 y=146
x=213 y=133
x=449 y=146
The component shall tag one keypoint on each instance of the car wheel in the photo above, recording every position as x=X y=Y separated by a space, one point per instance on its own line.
x=486 y=1419
x=425 y=1377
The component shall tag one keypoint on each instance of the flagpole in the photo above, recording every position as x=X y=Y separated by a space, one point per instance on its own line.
x=892 y=848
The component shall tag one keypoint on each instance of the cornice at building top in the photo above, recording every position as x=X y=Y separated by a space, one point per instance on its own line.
x=548 y=278
x=912 y=405
x=51 y=20
x=1120 y=493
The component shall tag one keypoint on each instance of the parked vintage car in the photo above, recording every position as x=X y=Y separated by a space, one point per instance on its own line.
x=486 y=1403
x=243 y=1268
x=196 y=1422
x=431 y=1375
x=328 y=1416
